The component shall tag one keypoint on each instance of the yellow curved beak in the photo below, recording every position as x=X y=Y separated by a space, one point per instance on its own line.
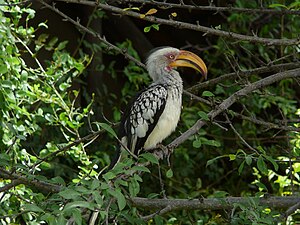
x=189 y=59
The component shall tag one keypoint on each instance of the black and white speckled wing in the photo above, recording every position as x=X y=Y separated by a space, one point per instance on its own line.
x=142 y=116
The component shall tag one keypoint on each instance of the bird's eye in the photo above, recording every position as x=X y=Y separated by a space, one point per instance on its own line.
x=171 y=56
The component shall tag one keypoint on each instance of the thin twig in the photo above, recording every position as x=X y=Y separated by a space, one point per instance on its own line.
x=159 y=212
x=239 y=135
x=88 y=137
x=199 y=99
x=266 y=124
x=162 y=186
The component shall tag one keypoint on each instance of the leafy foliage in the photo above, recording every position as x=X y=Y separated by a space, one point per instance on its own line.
x=49 y=135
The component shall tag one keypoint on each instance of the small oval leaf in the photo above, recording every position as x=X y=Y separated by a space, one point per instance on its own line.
x=207 y=94
x=261 y=165
x=151 y=11
x=169 y=173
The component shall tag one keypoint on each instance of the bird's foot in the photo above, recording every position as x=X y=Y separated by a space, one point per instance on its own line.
x=165 y=152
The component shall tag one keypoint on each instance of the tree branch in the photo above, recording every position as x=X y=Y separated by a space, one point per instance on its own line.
x=167 y=5
x=110 y=46
x=69 y=146
x=268 y=125
x=20 y=179
x=260 y=70
x=183 y=25
x=212 y=203
x=10 y=185
x=291 y=210
x=232 y=99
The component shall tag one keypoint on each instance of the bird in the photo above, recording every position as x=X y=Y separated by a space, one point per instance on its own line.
x=155 y=111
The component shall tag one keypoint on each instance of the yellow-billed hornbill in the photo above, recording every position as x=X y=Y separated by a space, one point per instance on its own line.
x=154 y=113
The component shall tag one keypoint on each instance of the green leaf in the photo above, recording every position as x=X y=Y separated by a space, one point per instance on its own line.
x=261 y=185
x=149 y=157
x=277 y=5
x=211 y=161
x=95 y=184
x=32 y=208
x=232 y=157
x=141 y=168
x=203 y=115
x=4 y=159
x=58 y=180
x=169 y=173
x=207 y=94
x=61 y=220
x=3 y=69
x=52 y=42
x=109 y=175
x=155 y=26
x=104 y=186
x=78 y=204
x=271 y=160
x=220 y=194
x=134 y=187
x=119 y=182
x=261 y=165
x=248 y=160
x=62 y=45
x=120 y=198
x=108 y=128
x=197 y=143
x=69 y=194
x=212 y=143
x=147 y=29
x=241 y=167
x=98 y=198
x=76 y=214
x=137 y=177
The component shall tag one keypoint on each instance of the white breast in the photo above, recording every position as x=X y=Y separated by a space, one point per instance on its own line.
x=167 y=122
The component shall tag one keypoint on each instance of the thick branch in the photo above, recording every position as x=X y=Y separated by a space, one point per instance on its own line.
x=212 y=203
x=232 y=99
x=10 y=185
x=183 y=25
x=20 y=179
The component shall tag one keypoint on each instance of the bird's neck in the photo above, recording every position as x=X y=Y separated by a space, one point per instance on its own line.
x=169 y=78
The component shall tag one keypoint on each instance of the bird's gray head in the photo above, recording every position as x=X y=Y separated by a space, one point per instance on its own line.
x=165 y=60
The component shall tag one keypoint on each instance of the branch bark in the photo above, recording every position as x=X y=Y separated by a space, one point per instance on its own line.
x=183 y=25
x=212 y=203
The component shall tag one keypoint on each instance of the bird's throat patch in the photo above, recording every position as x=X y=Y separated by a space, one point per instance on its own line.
x=168 y=68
